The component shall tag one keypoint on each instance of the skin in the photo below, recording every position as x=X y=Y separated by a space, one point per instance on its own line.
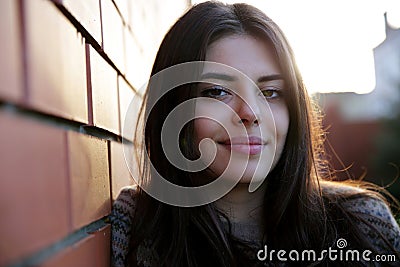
x=260 y=113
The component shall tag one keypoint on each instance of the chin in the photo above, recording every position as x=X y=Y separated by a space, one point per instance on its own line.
x=257 y=177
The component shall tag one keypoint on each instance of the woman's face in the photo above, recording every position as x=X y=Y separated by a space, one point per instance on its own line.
x=246 y=123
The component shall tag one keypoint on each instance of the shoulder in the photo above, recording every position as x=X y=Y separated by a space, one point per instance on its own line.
x=359 y=200
x=121 y=218
x=123 y=208
x=375 y=217
x=339 y=189
x=125 y=203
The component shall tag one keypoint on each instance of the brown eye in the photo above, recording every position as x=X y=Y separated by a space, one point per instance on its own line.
x=215 y=92
x=270 y=93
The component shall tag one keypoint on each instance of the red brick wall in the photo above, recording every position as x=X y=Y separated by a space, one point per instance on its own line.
x=68 y=70
x=351 y=145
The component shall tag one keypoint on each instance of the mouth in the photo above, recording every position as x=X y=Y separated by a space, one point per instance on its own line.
x=251 y=145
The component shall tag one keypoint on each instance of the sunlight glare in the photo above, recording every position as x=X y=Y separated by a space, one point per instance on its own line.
x=333 y=41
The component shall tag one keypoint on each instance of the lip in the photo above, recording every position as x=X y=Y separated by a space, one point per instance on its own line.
x=252 y=145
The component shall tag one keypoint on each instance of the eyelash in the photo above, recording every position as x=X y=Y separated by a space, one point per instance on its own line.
x=208 y=92
x=217 y=88
x=274 y=90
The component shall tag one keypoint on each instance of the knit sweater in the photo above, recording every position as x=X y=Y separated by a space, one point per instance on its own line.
x=370 y=209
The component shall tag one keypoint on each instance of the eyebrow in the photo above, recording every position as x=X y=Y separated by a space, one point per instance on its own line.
x=218 y=76
x=229 y=78
x=271 y=77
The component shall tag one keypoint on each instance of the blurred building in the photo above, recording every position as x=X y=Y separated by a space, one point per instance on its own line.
x=354 y=122
x=382 y=100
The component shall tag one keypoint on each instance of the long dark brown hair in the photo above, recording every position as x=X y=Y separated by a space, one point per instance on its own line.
x=301 y=213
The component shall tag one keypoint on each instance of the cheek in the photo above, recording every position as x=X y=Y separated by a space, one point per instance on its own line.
x=209 y=130
x=200 y=129
x=204 y=128
x=281 y=117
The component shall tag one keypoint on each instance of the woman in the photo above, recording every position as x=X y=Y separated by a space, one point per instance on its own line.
x=294 y=208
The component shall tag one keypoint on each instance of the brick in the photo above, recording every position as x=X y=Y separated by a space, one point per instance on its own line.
x=150 y=21
x=104 y=93
x=33 y=187
x=120 y=175
x=138 y=67
x=124 y=8
x=94 y=251
x=113 y=34
x=129 y=105
x=56 y=62
x=143 y=13
x=10 y=52
x=102 y=240
x=87 y=13
x=89 y=179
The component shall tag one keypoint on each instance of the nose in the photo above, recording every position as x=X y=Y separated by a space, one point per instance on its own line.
x=248 y=112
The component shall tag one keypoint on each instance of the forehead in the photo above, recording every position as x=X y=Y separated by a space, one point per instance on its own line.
x=252 y=56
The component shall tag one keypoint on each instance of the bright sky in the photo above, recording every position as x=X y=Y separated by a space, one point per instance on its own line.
x=333 y=39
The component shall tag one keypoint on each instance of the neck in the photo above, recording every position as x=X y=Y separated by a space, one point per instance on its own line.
x=241 y=206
